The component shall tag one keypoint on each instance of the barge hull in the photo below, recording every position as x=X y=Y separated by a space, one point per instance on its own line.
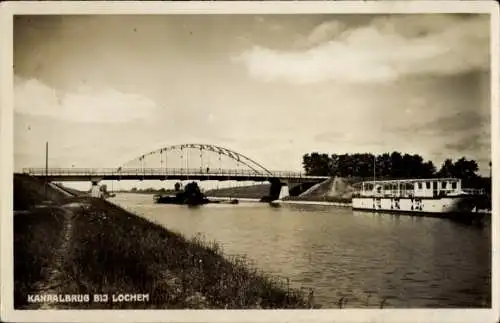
x=436 y=206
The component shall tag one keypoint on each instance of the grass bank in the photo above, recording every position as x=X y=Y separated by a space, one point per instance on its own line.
x=252 y=191
x=336 y=190
x=80 y=245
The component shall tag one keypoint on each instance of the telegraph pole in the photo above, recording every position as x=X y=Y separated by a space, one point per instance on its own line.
x=46 y=166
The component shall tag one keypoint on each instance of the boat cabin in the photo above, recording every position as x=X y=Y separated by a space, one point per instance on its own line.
x=434 y=187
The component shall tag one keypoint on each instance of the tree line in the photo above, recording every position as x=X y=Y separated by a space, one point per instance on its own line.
x=393 y=165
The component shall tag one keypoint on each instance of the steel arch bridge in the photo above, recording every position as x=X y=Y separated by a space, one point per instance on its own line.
x=203 y=157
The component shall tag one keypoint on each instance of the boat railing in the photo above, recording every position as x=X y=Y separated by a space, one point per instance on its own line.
x=473 y=191
x=385 y=193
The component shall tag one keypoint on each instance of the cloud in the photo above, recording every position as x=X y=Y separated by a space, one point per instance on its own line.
x=85 y=105
x=324 y=32
x=462 y=122
x=470 y=142
x=384 y=50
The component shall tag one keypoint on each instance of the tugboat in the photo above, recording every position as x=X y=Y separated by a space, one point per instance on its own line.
x=191 y=195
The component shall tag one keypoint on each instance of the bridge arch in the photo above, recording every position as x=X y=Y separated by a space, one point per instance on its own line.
x=163 y=154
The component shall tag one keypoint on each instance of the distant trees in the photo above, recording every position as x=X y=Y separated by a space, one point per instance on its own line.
x=386 y=166
x=161 y=190
x=316 y=164
x=462 y=168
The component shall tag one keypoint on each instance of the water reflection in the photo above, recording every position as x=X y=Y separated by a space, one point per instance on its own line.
x=361 y=257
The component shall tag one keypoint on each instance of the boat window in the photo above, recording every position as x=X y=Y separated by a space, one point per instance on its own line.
x=419 y=186
x=454 y=185
x=443 y=185
x=428 y=185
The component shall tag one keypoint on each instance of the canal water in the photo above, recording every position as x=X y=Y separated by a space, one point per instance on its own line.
x=359 y=258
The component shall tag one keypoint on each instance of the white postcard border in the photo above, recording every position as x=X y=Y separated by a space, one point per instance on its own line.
x=8 y=9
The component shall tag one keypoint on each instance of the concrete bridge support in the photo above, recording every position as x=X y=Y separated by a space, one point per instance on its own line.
x=274 y=190
x=284 y=192
x=281 y=189
x=95 y=190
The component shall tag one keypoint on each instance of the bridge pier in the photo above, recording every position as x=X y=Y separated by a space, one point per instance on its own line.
x=284 y=192
x=278 y=190
x=281 y=189
x=95 y=190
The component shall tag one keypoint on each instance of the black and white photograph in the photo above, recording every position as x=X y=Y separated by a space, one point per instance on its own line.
x=203 y=160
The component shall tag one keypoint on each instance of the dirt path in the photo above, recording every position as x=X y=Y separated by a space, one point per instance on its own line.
x=56 y=276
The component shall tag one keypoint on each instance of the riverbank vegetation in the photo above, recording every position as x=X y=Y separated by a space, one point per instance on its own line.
x=148 y=190
x=82 y=245
x=29 y=191
x=393 y=165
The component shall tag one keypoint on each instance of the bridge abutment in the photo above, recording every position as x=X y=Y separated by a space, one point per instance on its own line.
x=95 y=190
x=278 y=190
x=297 y=188
x=284 y=192
x=281 y=189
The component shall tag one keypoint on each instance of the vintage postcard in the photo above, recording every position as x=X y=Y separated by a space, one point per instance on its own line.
x=250 y=161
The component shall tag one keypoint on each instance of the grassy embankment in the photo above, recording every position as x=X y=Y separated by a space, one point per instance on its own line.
x=72 y=191
x=249 y=192
x=78 y=245
x=337 y=190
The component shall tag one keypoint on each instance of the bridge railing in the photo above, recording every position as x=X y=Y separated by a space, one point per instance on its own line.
x=97 y=172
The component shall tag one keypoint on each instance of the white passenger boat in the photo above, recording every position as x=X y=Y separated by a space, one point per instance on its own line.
x=438 y=196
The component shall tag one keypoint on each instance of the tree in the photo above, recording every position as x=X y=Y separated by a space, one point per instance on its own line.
x=466 y=169
x=447 y=169
x=397 y=166
x=428 y=169
x=383 y=166
x=462 y=168
x=316 y=164
x=387 y=165
x=334 y=165
x=306 y=163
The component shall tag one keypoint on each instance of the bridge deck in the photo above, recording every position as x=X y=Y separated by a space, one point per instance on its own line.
x=83 y=174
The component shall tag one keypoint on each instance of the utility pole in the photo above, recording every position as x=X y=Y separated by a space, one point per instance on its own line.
x=46 y=166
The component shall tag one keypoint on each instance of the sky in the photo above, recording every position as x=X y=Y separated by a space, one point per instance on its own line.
x=101 y=89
